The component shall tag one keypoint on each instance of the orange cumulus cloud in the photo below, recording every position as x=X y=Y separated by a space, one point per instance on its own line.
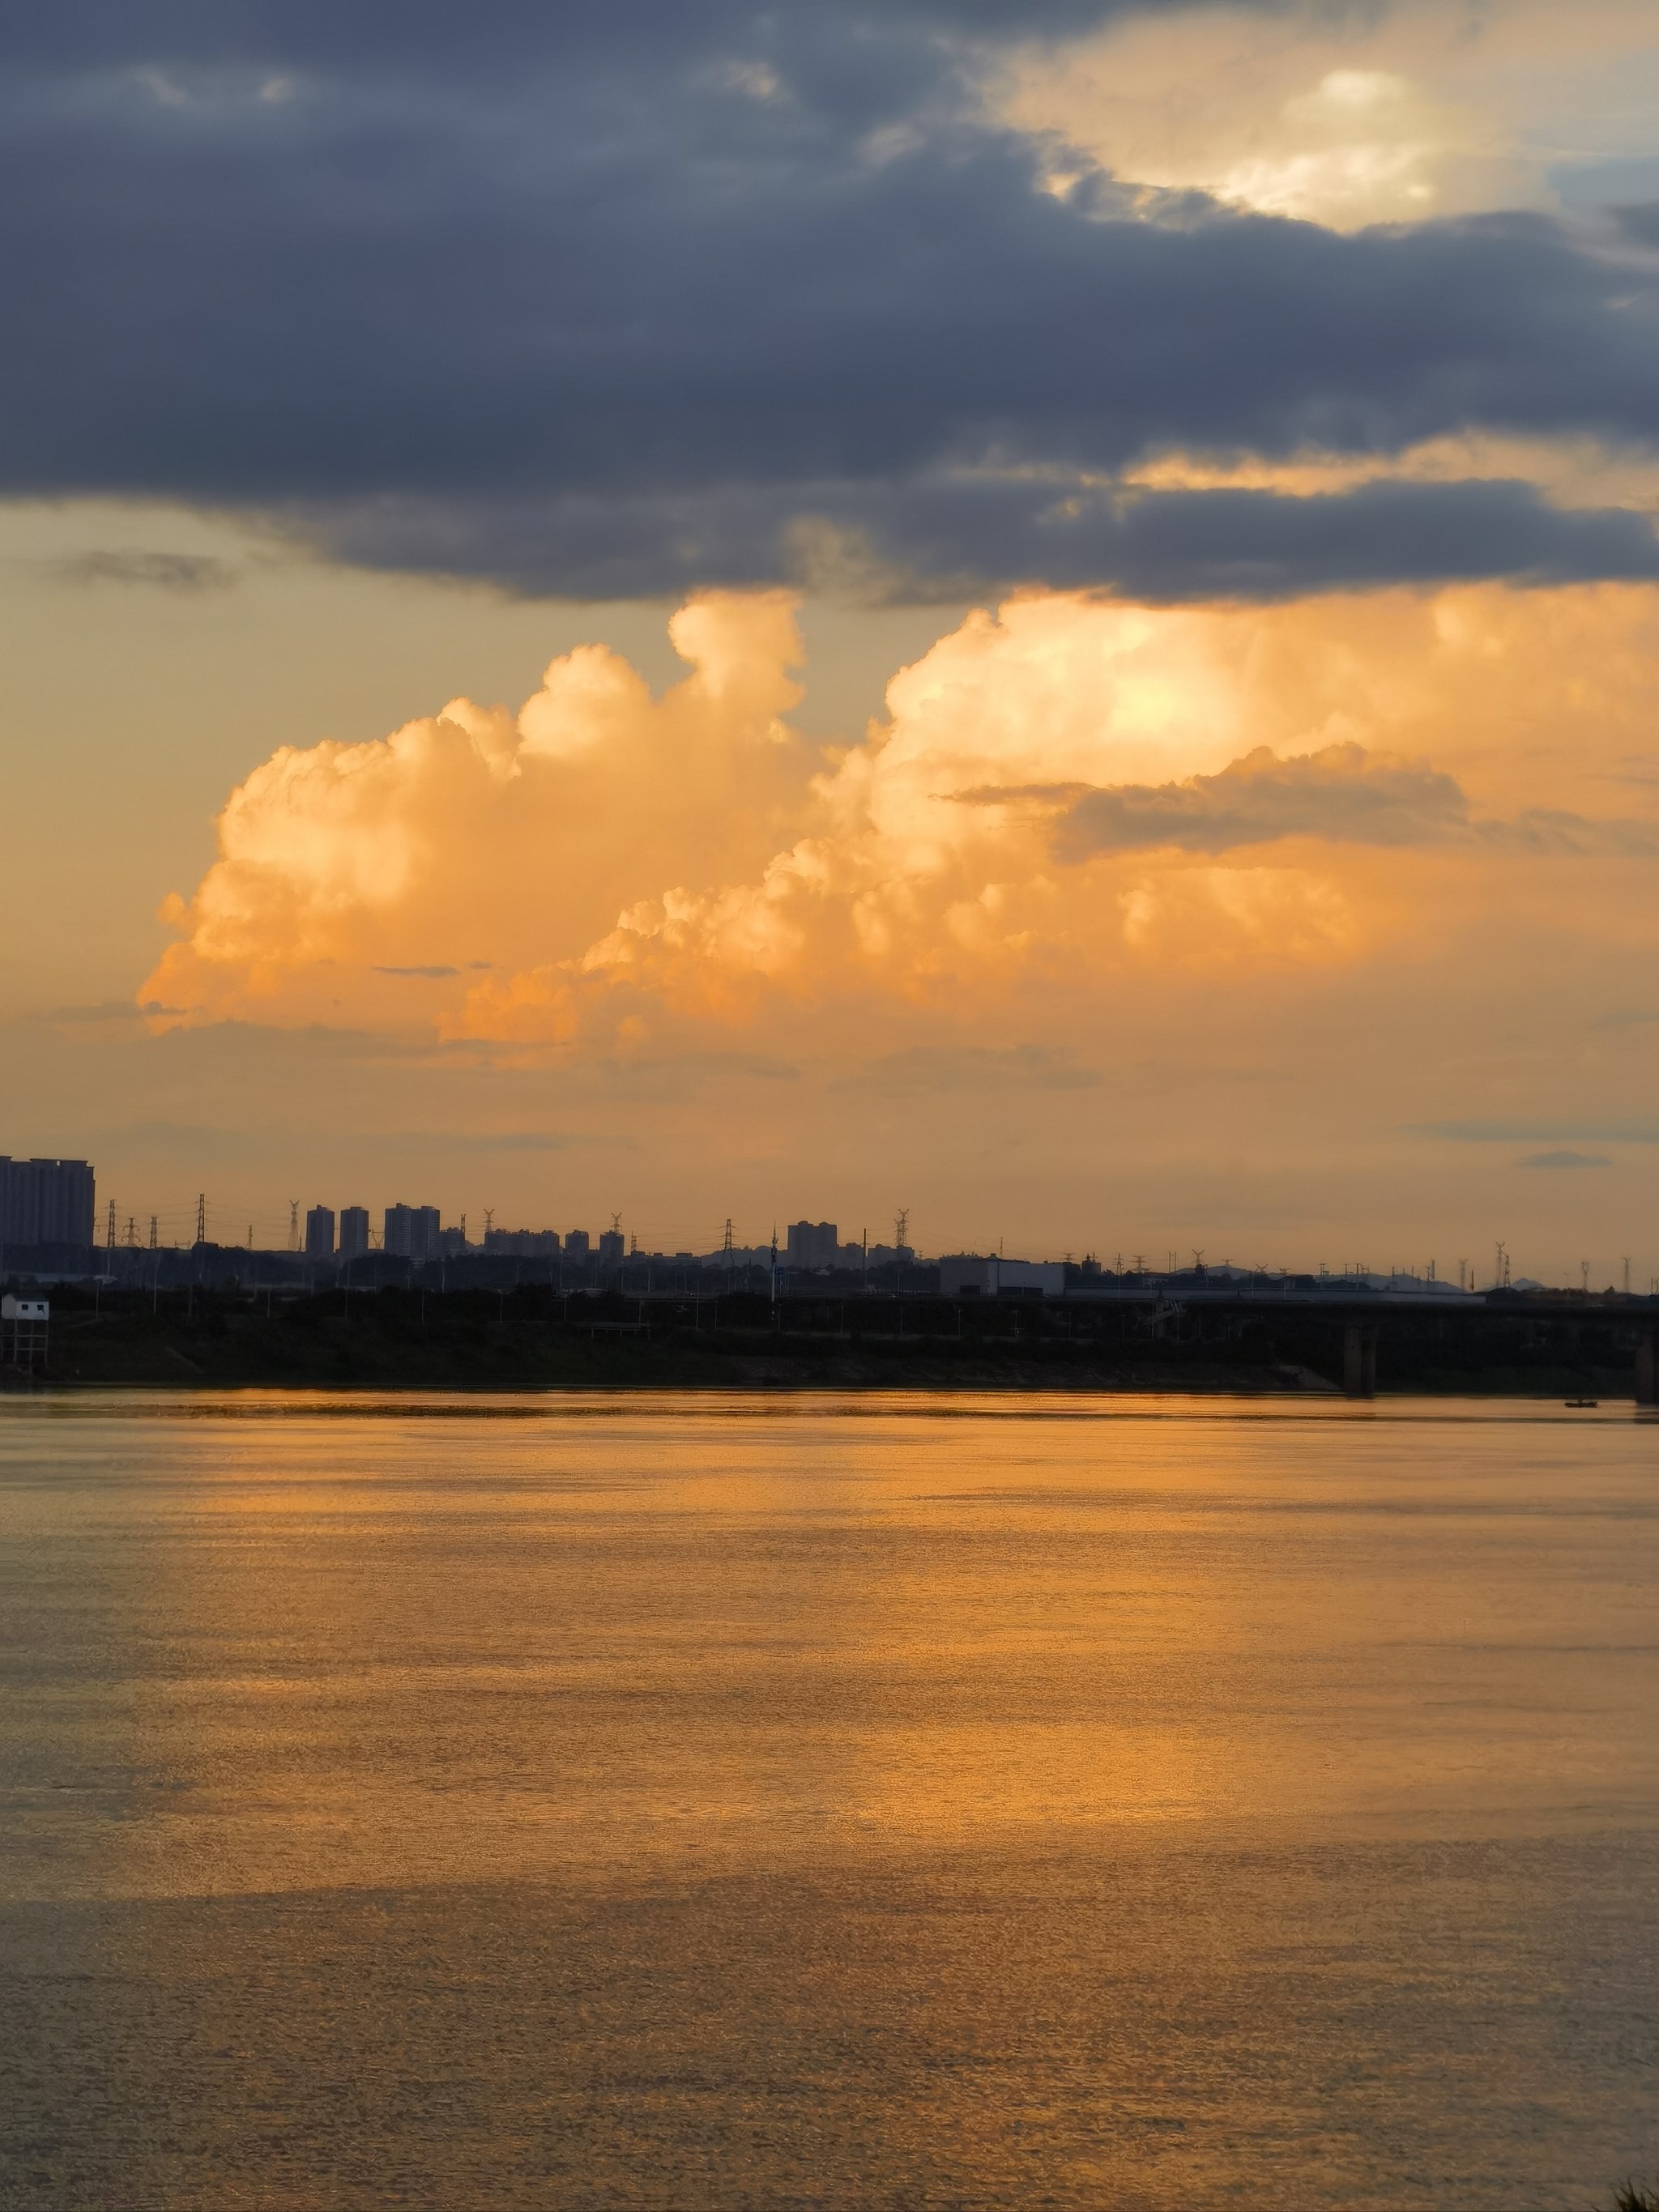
x=1068 y=799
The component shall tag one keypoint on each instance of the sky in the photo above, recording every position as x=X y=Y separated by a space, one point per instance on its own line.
x=1041 y=611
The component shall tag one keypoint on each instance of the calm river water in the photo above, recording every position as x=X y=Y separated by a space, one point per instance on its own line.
x=718 y=1803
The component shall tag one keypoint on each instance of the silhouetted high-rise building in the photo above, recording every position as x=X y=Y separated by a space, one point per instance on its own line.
x=354 y=1231
x=611 y=1248
x=412 y=1231
x=576 y=1244
x=319 y=1233
x=814 y=1244
x=45 y=1202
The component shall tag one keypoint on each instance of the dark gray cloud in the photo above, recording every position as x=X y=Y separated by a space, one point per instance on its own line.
x=1640 y=223
x=1566 y=1160
x=490 y=1140
x=1549 y=830
x=1343 y=795
x=614 y=299
x=927 y=1071
x=942 y=535
x=167 y=572
x=1609 y=1130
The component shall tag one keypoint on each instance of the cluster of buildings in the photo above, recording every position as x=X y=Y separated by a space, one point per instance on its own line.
x=815 y=1248
x=416 y=1232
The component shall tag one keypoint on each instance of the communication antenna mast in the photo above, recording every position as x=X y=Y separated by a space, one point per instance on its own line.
x=294 y=1225
x=200 y=1217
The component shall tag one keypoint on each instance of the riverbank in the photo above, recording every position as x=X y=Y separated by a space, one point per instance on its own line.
x=533 y=1340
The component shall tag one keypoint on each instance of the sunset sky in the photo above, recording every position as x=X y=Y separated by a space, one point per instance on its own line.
x=1041 y=611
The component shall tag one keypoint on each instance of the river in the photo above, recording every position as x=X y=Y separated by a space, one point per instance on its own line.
x=711 y=1803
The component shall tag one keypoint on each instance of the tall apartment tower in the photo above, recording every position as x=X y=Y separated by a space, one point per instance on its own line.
x=354 y=1231
x=412 y=1231
x=45 y=1202
x=611 y=1247
x=319 y=1233
x=814 y=1243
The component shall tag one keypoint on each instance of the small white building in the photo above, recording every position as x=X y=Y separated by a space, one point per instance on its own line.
x=23 y=1333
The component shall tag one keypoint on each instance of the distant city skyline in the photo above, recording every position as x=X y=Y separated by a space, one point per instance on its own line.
x=418 y=1232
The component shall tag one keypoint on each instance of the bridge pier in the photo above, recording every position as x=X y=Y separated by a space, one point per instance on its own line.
x=1647 y=1368
x=1359 y=1361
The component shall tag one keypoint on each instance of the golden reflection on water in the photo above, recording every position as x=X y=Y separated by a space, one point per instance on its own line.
x=715 y=1805
x=415 y=1641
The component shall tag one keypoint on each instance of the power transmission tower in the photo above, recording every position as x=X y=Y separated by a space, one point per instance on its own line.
x=151 y=1232
x=200 y=1217
x=109 y=1234
x=294 y=1225
x=726 y=1253
x=902 y=1227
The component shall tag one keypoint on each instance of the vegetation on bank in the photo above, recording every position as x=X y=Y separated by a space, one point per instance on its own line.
x=533 y=1338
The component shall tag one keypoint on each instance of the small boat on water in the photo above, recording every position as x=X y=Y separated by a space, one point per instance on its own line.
x=1583 y=1402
